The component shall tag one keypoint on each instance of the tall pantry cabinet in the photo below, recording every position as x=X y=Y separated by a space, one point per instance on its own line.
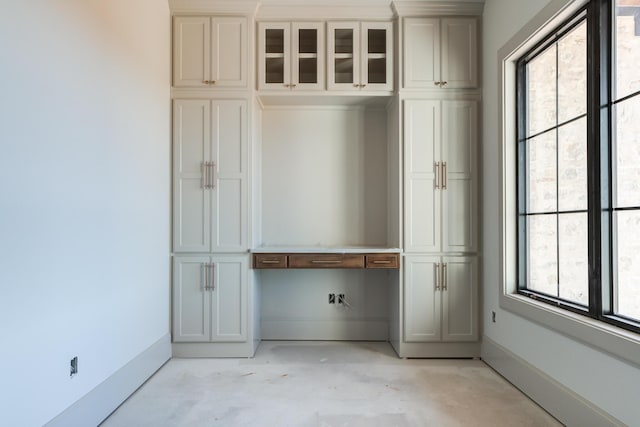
x=439 y=114
x=212 y=289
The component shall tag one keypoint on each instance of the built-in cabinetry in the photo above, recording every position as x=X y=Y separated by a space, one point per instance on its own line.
x=440 y=53
x=440 y=299
x=210 y=51
x=209 y=298
x=360 y=56
x=440 y=140
x=291 y=55
x=312 y=173
x=210 y=170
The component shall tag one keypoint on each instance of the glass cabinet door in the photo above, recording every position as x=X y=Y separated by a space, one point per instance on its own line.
x=308 y=56
x=274 y=67
x=377 y=57
x=344 y=61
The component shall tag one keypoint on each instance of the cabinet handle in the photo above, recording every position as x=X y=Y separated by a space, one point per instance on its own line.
x=437 y=83
x=437 y=166
x=444 y=175
x=212 y=82
x=382 y=262
x=442 y=84
x=363 y=85
x=325 y=261
x=212 y=277
x=444 y=275
x=270 y=261
x=203 y=279
x=293 y=85
x=205 y=175
x=437 y=273
x=211 y=174
x=356 y=85
x=206 y=82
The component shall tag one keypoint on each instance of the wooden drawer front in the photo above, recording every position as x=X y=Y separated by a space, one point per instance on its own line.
x=326 y=261
x=383 y=261
x=269 y=261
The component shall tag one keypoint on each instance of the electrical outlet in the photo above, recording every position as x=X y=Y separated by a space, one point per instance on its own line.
x=493 y=316
x=332 y=298
x=73 y=366
x=340 y=298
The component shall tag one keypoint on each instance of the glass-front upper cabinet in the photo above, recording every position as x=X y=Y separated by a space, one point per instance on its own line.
x=291 y=56
x=360 y=56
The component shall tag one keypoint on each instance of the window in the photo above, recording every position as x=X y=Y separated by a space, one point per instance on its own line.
x=578 y=165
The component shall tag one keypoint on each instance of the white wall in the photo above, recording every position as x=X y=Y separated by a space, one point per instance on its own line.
x=602 y=379
x=84 y=196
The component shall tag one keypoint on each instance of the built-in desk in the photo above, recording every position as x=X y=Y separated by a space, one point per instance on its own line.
x=327 y=258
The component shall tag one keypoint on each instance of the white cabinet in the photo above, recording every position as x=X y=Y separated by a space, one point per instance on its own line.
x=210 y=298
x=440 y=176
x=209 y=51
x=210 y=185
x=440 y=53
x=291 y=55
x=360 y=56
x=440 y=299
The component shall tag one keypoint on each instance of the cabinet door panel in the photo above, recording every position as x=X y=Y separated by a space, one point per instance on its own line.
x=422 y=175
x=191 y=204
x=308 y=51
x=191 y=302
x=460 y=196
x=191 y=51
x=343 y=55
x=421 y=52
x=230 y=198
x=376 y=67
x=459 y=52
x=229 y=299
x=421 y=299
x=274 y=55
x=229 y=52
x=460 y=300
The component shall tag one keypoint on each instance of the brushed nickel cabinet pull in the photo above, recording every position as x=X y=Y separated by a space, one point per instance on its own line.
x=212 y=82
x=444 y=275
x=436 y=83
x=206 y=82
x=212 y=174
x=382 y=262
x=437 y=272
x=205 y=175
x=437 y=165
x=203 y=276
x=442 y=84
x=269 y=261
x=444 y=175
x=325 y=261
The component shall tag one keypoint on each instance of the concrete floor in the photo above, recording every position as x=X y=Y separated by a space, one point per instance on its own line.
x=327 y=384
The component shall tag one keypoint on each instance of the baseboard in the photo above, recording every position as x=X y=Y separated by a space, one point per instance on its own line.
x=99 y=403
x=325 y=330
x=564 y=404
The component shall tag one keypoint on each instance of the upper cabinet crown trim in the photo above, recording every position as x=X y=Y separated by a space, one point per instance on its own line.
x=219 y=7
x=428 y=8
x=311 y=11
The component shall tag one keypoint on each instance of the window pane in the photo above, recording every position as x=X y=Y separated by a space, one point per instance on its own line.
x=572 y=74
x=627 y=157
x=572 y=166
x=541 y=191
x=541 y=91
x=543 y=254
x=573 y=264
x=628 y=263
x=627 y=47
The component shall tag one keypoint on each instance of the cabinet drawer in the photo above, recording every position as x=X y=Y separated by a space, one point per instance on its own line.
x=269 y=261
x=383 y=261
x=326 y=261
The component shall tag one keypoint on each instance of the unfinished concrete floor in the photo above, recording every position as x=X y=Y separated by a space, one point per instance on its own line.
x=327 y=384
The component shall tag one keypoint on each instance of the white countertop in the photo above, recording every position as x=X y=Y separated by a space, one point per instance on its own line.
x=324 y=249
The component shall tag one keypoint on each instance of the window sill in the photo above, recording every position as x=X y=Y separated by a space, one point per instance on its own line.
x=617 y=342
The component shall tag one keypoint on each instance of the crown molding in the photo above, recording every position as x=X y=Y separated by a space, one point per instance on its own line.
x=242 y=7
x=325 y=9
x=426 y=8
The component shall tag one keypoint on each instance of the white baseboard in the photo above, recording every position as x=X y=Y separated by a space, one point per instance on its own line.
x=325 y=330
x=564 y=404
x=95 y=406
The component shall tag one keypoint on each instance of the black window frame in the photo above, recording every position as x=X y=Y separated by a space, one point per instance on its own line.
x=598 y=15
